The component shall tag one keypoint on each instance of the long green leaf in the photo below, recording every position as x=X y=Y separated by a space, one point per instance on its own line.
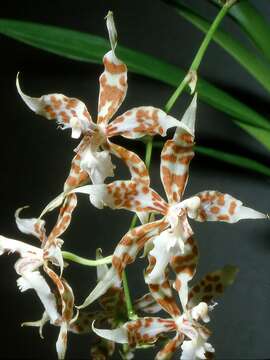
x=254 y=65
x=253 y=23
x=90 y=48
x=229 y=158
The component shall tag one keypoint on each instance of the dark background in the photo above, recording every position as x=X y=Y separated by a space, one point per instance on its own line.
x=36 y=159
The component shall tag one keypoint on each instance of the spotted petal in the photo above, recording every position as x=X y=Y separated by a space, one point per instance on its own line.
x=138 y=332
x=125 y=253
x=177 y=154
x=68 y=112
x=65 y=294
x=137 y=168
x=216 y=206
x=113 y=81
x=147 y=304
x=161 y=289
x=129 y=195
x=211 y=285
x=184 y=265
x=141 y=121
x=169 y=349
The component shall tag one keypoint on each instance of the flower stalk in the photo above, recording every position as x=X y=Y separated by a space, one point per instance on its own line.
x=87 y=262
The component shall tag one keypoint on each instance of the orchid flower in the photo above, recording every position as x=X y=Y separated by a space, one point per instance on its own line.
x=171 y=237
x=59 y=301
x=92 y=160
x=191 y=335
x=32 y=258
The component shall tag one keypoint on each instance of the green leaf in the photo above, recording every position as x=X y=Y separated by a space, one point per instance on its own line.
x=90 y=48
x=254 y=65
x=253 y=23
x=229 y=158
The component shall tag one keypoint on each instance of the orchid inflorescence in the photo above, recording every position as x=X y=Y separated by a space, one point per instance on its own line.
x=167 y=242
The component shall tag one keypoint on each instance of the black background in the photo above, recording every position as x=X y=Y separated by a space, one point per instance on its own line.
x=35 y=159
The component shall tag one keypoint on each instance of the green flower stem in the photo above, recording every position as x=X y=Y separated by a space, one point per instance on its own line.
x=83 y=261
x=149 y=143
x=199 y=56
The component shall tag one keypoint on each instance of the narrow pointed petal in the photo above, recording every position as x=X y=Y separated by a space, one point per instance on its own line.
x=169 y=349
x=136 y=166
x=147 y=304
x=176 y=156
x=113 y=87
x=68 y=112
x=161 y=289
x=119 y=335
x=33 y=226
x=10 y=246
x=184 y=265
x=39 y=323
x=56 y=202
x=111 y=30
x=101 y=288
x=141 y=121
x=64 y=217
x=211 y=285
x=128 y=195
x=216 y=206
x=77 y=176
x=138 y=332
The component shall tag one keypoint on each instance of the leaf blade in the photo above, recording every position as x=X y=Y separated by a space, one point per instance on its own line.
x=254 y=65
x=253 y=23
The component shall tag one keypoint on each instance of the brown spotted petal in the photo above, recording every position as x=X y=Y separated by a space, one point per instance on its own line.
x=135 y=164
x=161 y=289
x=211 y=286
x=147 y=304
x=113 y=87
x=177 y=154
x=137 y=168
x=68 y=112
x=67 y=303
x=138 y=332
x=125 y=253
x=33 y=226
x=141 y=121
x=184 y=264
x=169 y=349
x=216 y=206
x=129 y=195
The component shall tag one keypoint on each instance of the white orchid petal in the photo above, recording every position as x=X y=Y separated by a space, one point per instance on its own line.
x=119 y=335
x=25 y=250
x=34 y=280
x=39 y=323
x=61 y=344
x=189 y=118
